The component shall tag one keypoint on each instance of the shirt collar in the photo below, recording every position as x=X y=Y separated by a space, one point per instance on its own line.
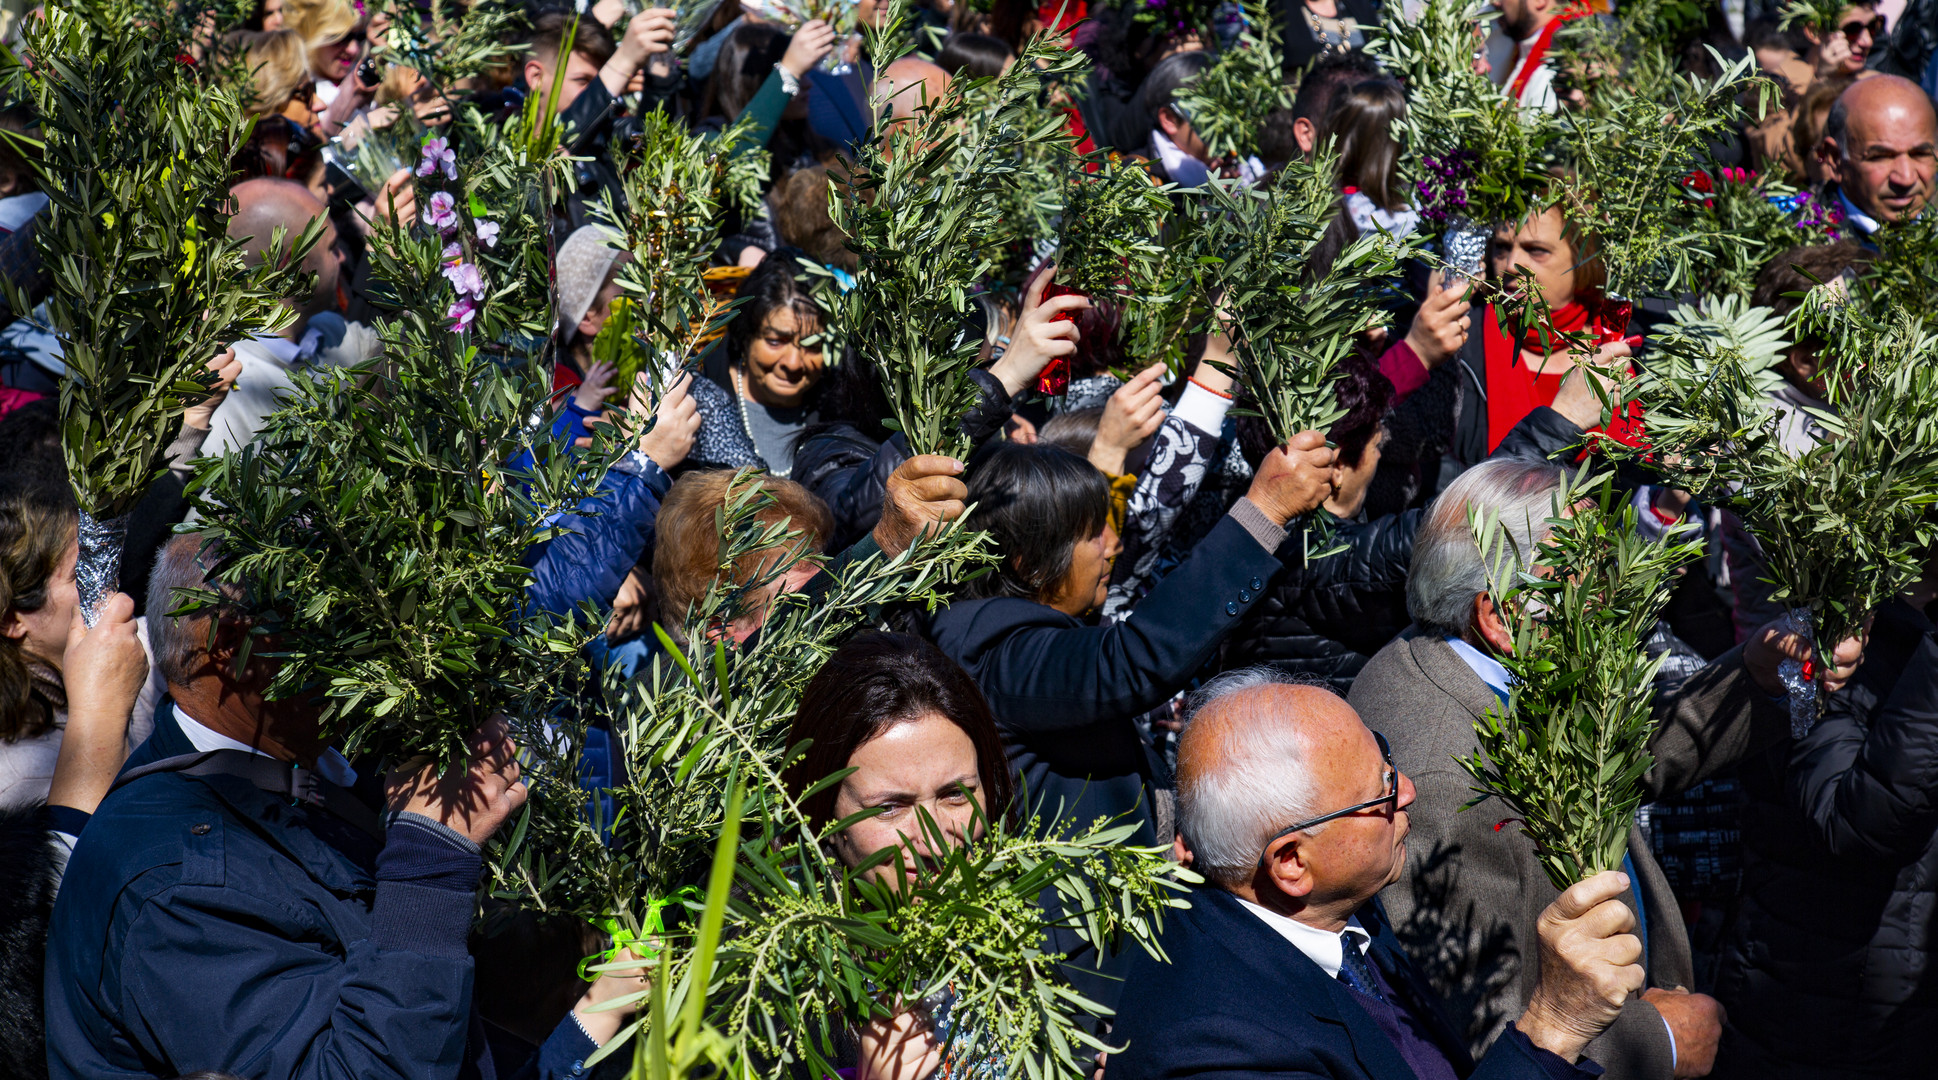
x=1855 y=216
x=1322 y=947
x=330 y=765
x=1489 y=669
x=291 y=353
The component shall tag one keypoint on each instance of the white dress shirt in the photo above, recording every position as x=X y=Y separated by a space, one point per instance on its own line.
x=1322 y=947
x=330 y=765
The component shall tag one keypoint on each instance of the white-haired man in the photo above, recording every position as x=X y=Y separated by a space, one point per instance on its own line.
x=1469 y=900
x=1284 y=964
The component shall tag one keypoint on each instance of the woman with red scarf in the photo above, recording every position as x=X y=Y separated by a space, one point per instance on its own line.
x=1509 y=373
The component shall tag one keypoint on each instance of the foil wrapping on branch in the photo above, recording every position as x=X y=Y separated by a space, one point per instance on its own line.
x=97 y=572
x=1804 y=701
x=1465 y=247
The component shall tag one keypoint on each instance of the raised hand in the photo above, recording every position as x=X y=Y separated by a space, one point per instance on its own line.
x=1590 y=964
x=1295 y=478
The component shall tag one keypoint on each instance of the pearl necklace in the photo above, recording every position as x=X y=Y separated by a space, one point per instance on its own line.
x=746 y=422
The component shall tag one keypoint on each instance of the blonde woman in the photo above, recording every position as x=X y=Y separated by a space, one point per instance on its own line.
x=279 y=71
x=336 y=37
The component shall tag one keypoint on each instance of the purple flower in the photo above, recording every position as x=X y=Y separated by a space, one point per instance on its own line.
x=462 y=314
x=442 y=213
x=465 y=278
x=452 y=254
x=438 y=155
x=487 y=231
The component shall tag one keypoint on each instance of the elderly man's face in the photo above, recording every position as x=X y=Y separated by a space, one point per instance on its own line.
x=1362 y=853
x=1891 y=153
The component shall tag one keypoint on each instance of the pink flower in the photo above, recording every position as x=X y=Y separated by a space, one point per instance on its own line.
x=452 y=254
x=442 y=212
x=465 y=278
x=438 y=155
x=487 y=231
x=462 y=314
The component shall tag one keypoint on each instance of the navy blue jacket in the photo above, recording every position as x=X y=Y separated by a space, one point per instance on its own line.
x=1238 y=1001
x=1066 y=696
x=601 y=542
x=204 y=924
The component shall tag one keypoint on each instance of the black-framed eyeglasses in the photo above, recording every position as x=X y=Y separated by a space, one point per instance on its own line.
x=1392 y=795
x=1855 y=29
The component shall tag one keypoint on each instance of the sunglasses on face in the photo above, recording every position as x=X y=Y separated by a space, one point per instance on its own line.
x=1391 y=787
x=1854 y=29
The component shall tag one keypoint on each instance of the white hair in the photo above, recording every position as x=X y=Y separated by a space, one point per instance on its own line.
x=1447 y=571
x=1261 y=781
x=180 y=642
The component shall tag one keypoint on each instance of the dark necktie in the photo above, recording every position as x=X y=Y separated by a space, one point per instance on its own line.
x=1354 y=971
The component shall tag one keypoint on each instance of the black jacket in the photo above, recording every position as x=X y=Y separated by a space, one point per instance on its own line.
x=849 y=470
x=1066 y=695
x=1328 y=618
x=1828 y=971
x=1237 y=1000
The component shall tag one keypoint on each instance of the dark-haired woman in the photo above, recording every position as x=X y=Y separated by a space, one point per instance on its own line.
x=1065 y=693
x=1360 y=121
x=920 y=739
x=770 y=366
x=846 y=459
x=978 y=56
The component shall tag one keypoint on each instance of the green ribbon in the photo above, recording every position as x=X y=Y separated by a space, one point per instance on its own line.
x=622 y=938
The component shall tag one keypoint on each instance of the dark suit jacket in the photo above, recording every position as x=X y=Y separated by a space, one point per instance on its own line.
x=1237 y=1000
x=1468 y=901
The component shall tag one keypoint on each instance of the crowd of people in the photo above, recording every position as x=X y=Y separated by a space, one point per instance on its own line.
x=197 y=882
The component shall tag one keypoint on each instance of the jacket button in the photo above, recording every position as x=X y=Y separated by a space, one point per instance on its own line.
x=1257 y=584
x=1244 y=596
x=1231 y=608
x=199 y=830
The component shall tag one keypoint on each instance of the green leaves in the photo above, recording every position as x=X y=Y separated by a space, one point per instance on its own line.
x=921 y=207
x=147 y=286
x=1228 y=103
x=1629 y=152
x=1110 y=221
x=1568 y=751
x=1839 y=502
x=380 y=520
x=1292 y=321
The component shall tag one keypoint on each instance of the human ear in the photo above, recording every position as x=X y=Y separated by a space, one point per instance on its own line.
x=1306 y=134
x=1489 y=624
x=1286 y=865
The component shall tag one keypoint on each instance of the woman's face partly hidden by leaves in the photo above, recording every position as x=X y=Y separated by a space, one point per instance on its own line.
x=922 y=764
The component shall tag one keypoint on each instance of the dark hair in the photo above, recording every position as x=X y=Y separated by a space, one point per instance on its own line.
x=1801 y=269
x=869 y=685
x=1174 y=73
x=1361 y=120
x=30 y=444
x=1365 y=394
x=778 y=282
x=749 y=53
x=15 y=157
x=36 y=530
x=1327 y=76
x=979 y=55
x=591 y=40
x=1073 y=429
x=1038 y=502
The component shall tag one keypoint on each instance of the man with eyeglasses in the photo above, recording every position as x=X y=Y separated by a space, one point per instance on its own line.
x=1285 y=965
x=1879 y=152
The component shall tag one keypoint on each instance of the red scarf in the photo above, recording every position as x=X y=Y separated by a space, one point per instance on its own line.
x=1538 y=52
x=1515 y=388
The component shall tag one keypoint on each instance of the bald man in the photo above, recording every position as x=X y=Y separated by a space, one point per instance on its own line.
x=908 y=84
x=1879 y=150
x=318 y=336
x=1284 y=966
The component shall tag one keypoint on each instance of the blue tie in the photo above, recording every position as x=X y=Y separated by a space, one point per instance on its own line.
x=1354 y=971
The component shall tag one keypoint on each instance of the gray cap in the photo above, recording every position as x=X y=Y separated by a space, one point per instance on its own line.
x=584 y=260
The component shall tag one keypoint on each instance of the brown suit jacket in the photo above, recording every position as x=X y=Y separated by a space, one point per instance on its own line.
x=1469 y=899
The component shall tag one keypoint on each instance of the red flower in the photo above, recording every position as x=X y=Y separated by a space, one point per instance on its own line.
x=1698 y=180
x=185 y=60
